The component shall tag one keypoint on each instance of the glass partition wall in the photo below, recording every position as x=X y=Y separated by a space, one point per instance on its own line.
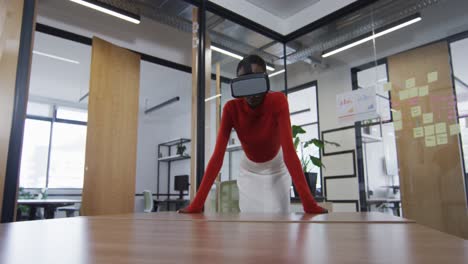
x=398 y=59
x=390 y=81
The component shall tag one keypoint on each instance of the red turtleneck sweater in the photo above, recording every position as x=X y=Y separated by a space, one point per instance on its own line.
x=262 y=132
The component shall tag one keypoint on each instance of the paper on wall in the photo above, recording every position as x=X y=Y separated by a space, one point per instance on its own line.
x=454 y=129
x=415 y=111
x=357 y=105
x=442 y=139
x=429 y=130
x=404 y=94
x=396 y=115
x=413 y=92
x=410 y=83
x=418 y=132
x=424 y=90
x=398 y=125
x=430 y=141
x=428 y=118
x=432 y=77
x=440 y=128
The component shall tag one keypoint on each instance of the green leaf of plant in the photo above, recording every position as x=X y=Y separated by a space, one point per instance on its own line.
x=316 y=161
x=297 y=130
x=296 y=142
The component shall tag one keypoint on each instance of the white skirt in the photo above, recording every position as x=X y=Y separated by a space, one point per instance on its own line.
x=264 y=187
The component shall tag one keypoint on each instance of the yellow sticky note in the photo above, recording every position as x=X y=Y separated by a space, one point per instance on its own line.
x=440 y=128
x=397 y=115
x=415 y=111
x=424 y=90
x=398 y=125
x=428 y=118
x=410 y=83
x=432 y=77
x=387 y=87
x=430 y=141
x=418 y=132
x=442 y=139
x=413 y=92
x=404 y=95
x=429 y=130
x=454 y=129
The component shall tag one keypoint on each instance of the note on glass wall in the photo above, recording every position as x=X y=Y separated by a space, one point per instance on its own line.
x=396 y=115
x=428 y=118
x=404 y=95
x=415 y=111
x=429 y=130
x=430 y=141
x=423 y=91
x=418 y=132
x=387 y=87
x=440 y=128
x=413 y=92
x=398 y=125
x=454 y=129
x=432 y=77
x=442 y=139
x=410 y=83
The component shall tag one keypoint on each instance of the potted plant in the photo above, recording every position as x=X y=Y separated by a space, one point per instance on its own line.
x=308 y=161
x=23 y=210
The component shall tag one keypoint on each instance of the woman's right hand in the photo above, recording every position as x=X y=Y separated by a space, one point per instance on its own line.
x=188 y=210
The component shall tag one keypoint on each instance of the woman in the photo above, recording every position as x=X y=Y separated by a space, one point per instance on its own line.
x=263 y=126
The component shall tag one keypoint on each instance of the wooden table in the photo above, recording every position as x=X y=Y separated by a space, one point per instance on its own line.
x=371 y=217
x=132 y=240
x=49 y=205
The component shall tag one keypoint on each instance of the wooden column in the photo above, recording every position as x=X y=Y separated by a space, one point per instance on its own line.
x=11 y=15
x=208 y=119
x=193 y=161
x=218 y=103
x=431 y=176
x=110 y=168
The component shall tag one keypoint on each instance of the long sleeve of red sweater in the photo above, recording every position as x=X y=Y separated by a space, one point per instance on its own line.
x=292 y=160
x=215 y=163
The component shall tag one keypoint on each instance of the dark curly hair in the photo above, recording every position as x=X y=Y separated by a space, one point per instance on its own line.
x=246 y=64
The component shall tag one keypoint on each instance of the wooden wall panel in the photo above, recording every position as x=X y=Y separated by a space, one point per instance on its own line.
x=431 y=178
x=10 y=29
x=193 y=161
x=110 y=168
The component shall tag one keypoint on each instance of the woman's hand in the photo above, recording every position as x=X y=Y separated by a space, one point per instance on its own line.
x=187 y=210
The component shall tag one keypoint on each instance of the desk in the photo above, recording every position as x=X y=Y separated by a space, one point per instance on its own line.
x=49 y=205
x=368 y=218
x=379 y=201
x=117 y=240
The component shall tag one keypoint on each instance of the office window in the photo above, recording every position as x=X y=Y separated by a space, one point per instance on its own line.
x=35 y=154
x=72 y=114
x=303 y=110
x=53 y=148
x=459 y=63
x=39 y=109
x=67 y=156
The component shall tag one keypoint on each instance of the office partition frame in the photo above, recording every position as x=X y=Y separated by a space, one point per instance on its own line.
x=204 y=6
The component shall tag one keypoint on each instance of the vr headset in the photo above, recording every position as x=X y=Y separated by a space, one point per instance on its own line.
x=250 y=85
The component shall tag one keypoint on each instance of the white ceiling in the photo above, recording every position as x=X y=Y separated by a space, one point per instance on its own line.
x=283 y=9
x=283 y=16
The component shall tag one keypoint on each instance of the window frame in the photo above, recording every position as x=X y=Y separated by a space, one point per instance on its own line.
x=52 y=121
